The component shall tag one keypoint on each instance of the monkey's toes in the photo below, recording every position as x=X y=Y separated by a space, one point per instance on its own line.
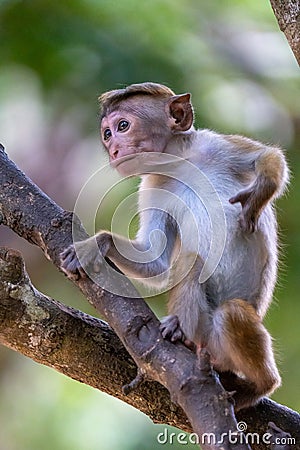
x=170 y=329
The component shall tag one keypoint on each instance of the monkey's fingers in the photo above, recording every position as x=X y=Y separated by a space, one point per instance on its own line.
x=70 y=262
x=241 y=197
x=248 y=224
x=66 y=253
x=248 y=218
x=67 y=257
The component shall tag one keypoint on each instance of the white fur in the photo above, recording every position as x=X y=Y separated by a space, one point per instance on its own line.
x=247 y=267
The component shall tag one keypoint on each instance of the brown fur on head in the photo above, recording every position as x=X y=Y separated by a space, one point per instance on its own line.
x=109 y=100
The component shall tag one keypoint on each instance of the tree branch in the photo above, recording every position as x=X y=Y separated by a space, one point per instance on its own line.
x=78 y=345
x=287 y=13
x=25 y=209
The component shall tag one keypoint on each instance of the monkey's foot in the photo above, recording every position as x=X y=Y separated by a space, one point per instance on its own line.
x=170 y=329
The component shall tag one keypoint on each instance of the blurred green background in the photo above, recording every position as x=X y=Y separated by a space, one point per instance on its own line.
x=56 y=57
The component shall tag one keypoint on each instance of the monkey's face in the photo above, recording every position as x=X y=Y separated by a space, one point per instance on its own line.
x=132 y=130
x=142 y=124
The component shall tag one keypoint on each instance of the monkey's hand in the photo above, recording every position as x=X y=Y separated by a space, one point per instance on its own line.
x=85 y=256
x=250 y=209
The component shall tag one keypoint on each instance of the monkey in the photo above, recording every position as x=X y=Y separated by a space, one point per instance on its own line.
x=223 y=313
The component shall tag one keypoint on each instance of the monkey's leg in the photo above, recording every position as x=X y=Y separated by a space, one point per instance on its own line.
x=189 y=318
x=240 y=343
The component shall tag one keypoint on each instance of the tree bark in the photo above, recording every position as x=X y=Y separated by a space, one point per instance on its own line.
x=49 y=332
x=287 y=13
x=78 y=345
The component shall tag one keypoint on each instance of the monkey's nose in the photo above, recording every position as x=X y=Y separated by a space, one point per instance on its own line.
x=114 y=153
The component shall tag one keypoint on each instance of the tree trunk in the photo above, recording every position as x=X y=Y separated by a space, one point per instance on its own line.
x=287 y=13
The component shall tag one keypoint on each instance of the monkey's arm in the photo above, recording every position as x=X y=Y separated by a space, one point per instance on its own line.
x=147 y=257
x=271 y=176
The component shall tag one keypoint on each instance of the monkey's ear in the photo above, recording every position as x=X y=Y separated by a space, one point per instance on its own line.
x=181 y=110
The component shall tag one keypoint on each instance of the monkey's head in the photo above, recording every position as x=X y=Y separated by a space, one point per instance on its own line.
x=141 y=118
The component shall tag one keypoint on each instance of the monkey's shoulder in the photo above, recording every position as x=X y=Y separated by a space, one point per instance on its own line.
x=210 y=146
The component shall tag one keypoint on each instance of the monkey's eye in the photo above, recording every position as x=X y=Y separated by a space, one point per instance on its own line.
x=106 y=134
x=123 y=125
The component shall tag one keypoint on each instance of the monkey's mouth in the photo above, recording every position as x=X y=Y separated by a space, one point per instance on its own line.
x=115 y=164
x=128 y=165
